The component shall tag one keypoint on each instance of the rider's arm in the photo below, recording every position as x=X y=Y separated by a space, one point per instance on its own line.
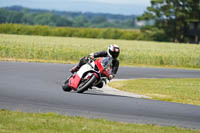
x=115 y=66
x=99 y=54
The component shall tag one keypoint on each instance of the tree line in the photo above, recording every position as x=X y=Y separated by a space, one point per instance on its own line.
x=173 y=20
x=21 y=15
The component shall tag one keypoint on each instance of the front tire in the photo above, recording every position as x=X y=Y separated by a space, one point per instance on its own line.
x=87 y=84
x=66 y=87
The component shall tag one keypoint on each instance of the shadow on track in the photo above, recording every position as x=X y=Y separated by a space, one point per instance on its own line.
x=94 y=93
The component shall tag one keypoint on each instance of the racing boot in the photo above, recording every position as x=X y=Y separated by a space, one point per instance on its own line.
x=78 y=66
x=100 y=85
x=74 y=69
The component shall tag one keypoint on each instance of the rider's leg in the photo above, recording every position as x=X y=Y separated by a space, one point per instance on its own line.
x=99 y=85
x=74 y=69
x=78 y=66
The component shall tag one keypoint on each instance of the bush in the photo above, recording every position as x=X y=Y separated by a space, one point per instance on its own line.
x=153 y=33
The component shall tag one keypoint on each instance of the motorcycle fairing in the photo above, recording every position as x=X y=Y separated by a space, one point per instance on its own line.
x=98 y=63
x=103 y=65
x=75 y=80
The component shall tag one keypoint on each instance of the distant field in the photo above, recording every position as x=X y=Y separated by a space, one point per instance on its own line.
x=70 y=50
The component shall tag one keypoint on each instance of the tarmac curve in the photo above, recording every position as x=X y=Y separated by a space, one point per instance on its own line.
x=36 y=87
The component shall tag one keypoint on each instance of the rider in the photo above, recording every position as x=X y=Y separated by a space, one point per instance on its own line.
x=112 y=51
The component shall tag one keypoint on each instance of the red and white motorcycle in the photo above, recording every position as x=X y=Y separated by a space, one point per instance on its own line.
x=94 y=72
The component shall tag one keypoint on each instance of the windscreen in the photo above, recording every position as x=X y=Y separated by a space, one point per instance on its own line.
x=106 y=62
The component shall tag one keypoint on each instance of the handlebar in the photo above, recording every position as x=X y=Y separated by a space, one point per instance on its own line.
x=90 y=58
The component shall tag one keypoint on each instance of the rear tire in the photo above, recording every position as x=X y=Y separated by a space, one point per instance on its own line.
x=87 y=84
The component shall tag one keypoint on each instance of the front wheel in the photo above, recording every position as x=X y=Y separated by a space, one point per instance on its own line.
x=66 y=87
x=87 y=84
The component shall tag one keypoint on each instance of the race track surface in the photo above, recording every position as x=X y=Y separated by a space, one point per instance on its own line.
x=36 y=87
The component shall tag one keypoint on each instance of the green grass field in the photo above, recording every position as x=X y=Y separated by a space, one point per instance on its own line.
x=70 y=50
x=17 y=122
x=173 y=90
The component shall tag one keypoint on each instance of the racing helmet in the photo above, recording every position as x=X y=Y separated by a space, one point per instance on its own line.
x=113 y=51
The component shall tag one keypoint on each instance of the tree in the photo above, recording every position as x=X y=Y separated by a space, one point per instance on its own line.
x=14 y=17
x=3 y=14
x=99 y=19
x=60 y=21
x=80 y=21
x=173 y=16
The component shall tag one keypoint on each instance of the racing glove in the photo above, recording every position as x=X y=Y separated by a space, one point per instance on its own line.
x=111 y=77
x=91 y=56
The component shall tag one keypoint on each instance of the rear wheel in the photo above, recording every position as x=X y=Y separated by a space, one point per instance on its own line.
x=86 y=84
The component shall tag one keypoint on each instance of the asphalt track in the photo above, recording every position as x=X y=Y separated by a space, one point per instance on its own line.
x=36 y=87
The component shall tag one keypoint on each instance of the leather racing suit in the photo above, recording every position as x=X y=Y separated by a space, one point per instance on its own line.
x=115 y=62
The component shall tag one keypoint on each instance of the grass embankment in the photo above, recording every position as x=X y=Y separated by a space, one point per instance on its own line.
x=31 y=122
x=70 y=50
x=173 y=90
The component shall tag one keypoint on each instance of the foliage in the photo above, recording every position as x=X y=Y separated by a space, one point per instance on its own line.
x=65 y=49
x=173 y=17
x=173 y=90
x=153 y=33
x=27 y=16
x=20 y=15
x=107 y=33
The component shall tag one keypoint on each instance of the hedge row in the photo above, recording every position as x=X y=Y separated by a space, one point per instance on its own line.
x=153 y=34
x=106 y=33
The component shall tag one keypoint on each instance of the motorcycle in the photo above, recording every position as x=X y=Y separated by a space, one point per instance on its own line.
x=92 y=74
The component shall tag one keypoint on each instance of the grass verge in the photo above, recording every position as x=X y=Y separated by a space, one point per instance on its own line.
x=19 y=122
x=173 y=90
x=63 y=49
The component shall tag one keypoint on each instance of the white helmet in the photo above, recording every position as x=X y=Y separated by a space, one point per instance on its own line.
x=113 y=51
